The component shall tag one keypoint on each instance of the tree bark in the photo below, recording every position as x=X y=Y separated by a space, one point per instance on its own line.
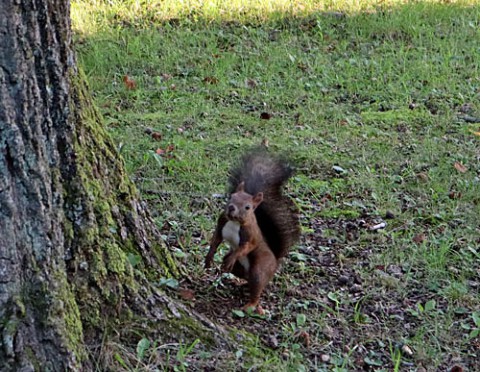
x=77 y=247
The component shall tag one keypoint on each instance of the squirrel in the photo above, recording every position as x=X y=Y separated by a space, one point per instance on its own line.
x=259 y=222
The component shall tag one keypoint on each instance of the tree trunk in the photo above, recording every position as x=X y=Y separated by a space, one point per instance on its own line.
x=77 y=247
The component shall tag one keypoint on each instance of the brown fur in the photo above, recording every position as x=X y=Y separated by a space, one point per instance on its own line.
x=267 y=225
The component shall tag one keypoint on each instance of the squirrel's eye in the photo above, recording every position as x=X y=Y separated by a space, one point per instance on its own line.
x=247 y=207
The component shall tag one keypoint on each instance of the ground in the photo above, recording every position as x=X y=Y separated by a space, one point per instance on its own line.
x=376 y=103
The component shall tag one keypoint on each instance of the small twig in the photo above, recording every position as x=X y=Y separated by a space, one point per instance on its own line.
x=378 y=226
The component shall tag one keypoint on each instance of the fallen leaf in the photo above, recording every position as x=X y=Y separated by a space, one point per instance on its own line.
x=129 y=82
x=186 y=294
x=166 y=76
x=422 y=176
x=250 y=83
x=238 y=313
x=419 y=238
x=460 y=167
x=454 y=195
x=305 y=337
x=265 y=116
x=327 y=197
x=167 y=152
x=265 y=142
x=476 y=133
x=210 y=80
x=156 y=136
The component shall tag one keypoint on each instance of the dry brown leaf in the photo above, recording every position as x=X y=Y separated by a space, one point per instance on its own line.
x=167 y=152
x=454 y=195
x=305 y=337
x=156 y=136
x=129 y=82
x=186 y=294
x=460 y=167
x=419 y=238
x=422 y=176
x=210 y=80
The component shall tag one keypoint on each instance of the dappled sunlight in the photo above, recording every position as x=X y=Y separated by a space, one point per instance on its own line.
x=90 y=16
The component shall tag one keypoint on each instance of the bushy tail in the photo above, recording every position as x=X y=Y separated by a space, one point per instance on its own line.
x=277 y=215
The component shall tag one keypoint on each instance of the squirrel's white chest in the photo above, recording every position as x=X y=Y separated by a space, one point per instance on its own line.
x=231 y=233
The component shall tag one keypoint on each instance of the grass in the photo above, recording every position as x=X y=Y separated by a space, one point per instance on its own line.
x=384 y=91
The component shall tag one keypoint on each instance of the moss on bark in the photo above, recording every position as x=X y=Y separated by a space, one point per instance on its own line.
x=84 y=250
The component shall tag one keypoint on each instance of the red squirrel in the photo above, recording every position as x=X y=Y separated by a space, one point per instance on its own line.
x=259 y=222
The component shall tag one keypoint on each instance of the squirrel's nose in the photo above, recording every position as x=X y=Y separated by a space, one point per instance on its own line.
x=231 y=208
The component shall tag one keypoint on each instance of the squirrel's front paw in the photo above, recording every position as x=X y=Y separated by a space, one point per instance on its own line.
x=228 y=263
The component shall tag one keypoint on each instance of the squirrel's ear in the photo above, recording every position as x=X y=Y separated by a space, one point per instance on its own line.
x=240 y=187
x=257 y=199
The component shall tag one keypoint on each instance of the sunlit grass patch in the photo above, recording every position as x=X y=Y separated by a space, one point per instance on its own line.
x=93 y=15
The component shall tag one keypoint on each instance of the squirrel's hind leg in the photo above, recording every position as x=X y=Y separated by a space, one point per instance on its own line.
x=262 y=269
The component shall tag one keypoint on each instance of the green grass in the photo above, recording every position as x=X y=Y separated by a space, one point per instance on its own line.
x=376 y=88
